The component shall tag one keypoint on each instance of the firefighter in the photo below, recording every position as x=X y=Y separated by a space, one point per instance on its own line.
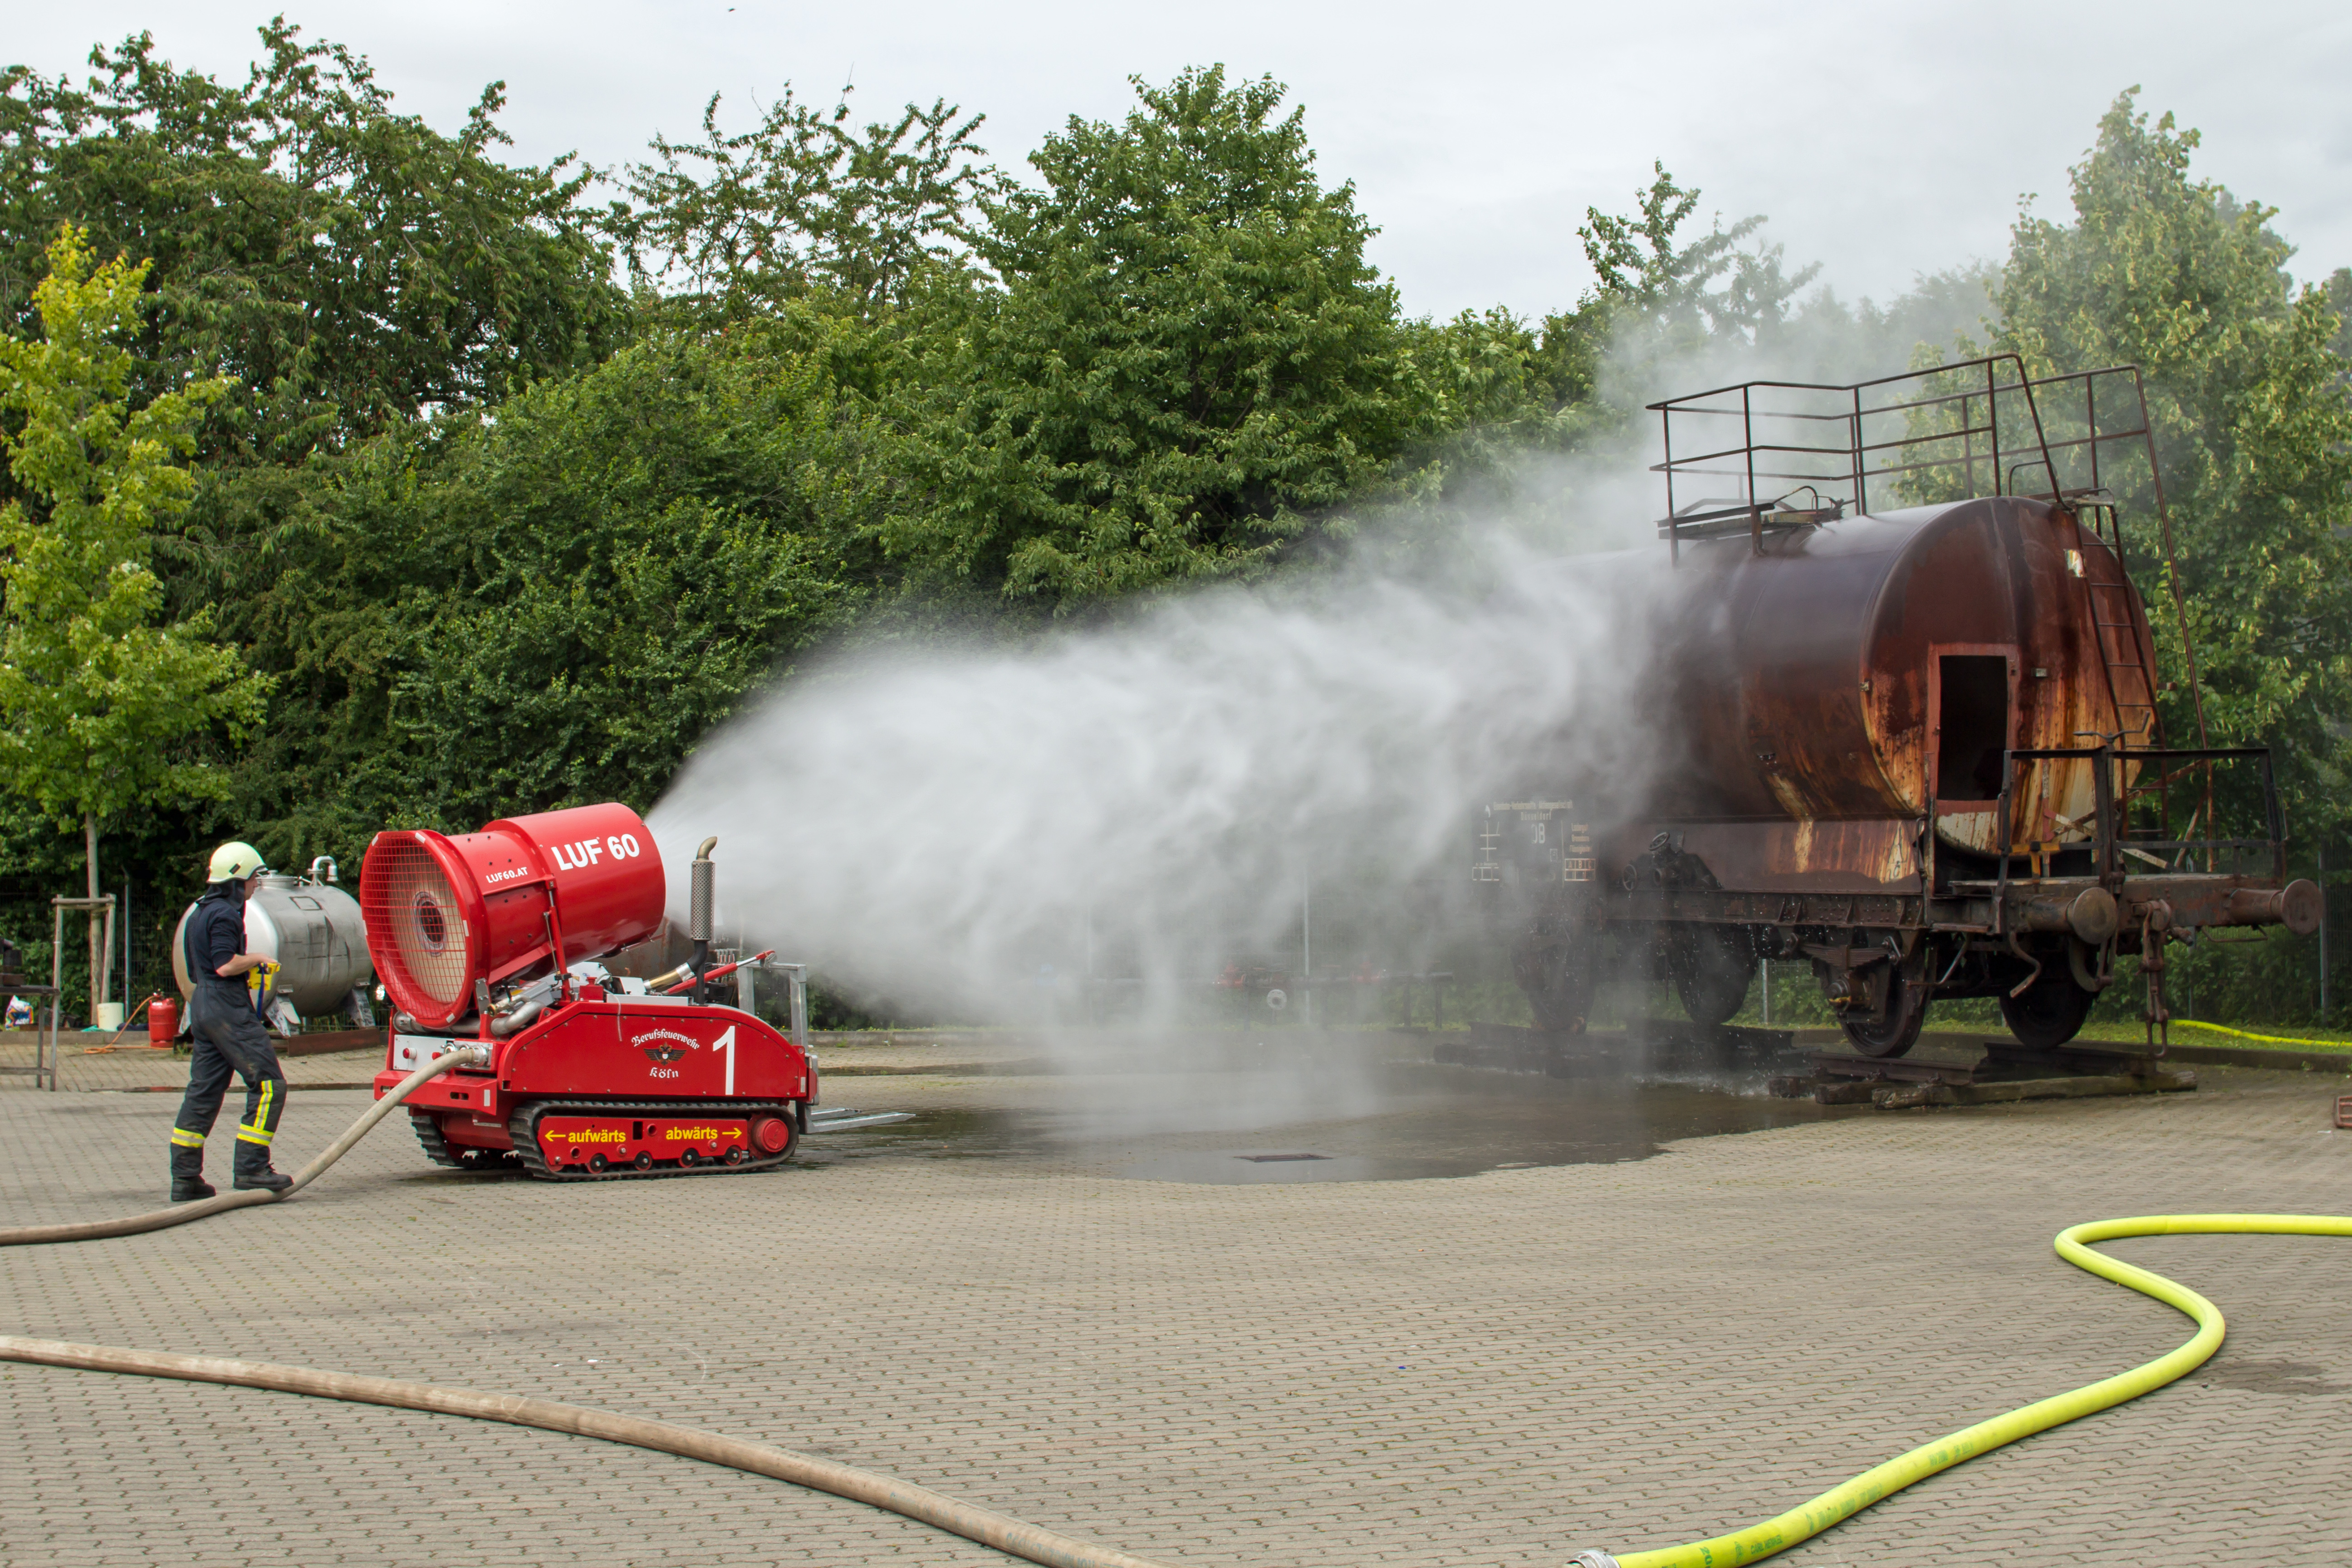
x=228 y=1033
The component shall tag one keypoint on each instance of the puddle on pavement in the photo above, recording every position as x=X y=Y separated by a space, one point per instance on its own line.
x=1386 y=1123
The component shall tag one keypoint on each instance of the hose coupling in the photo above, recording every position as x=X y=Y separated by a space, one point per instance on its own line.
x=1592 y=1560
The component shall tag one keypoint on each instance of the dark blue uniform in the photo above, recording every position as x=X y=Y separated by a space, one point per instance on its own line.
x=229 y=1038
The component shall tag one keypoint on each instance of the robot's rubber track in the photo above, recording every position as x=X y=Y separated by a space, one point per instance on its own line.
x=526 y=1145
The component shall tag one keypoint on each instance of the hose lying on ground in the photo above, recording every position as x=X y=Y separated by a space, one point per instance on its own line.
x=2337 y=1045
x=1841 y=1502
x=980 y=1524
x=181 y=1214
x=899 y=1496
x=1045 y=1546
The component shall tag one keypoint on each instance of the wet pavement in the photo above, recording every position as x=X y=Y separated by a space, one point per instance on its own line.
x=1379 y=1121
x=1505 y=1370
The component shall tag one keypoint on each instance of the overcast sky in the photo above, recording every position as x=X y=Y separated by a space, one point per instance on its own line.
x=1882 y=141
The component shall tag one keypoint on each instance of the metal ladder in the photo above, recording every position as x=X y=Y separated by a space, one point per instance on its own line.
x=2131 y=686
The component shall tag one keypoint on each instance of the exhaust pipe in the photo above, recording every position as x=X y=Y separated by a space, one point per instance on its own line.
x=698 y=918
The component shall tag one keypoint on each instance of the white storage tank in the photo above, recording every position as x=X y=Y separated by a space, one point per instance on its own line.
x=312 y=929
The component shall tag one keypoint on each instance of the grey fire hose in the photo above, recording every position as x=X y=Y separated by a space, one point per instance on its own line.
x=181 y=1214
x=918 y=1503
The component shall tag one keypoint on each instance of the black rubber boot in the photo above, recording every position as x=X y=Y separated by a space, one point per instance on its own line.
x=188 y=1183
x=253 y=1172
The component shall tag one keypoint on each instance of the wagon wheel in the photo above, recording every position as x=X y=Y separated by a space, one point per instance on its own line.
x=1897 y=1030
x=2049 y=1014
x=1713 y=967
x=1556 y=965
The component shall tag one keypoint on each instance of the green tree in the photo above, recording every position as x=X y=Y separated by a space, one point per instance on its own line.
x=1504 y=393
x=737 y=225
x=476 y=618
x=1188 y=366
x=1690 y=292
x=102 y=705
x=348 y=264
x=2253 y=419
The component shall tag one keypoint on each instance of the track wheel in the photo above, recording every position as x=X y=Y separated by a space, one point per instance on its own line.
x=1885 y=1037
x=1895 y=1031
x=1713 y=967
x=1557 y=964
x=2049 y=1014
x=428 y=1134
x=772 y=1135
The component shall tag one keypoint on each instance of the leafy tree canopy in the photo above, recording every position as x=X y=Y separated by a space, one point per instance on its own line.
x=1188 y=366
x=2253 y=414
x=735 y=225
x=483 y=618
x=350 y=267
x=102 y=708
x=1690 y=293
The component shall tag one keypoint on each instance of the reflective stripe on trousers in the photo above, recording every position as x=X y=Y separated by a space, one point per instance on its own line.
x=230 y=1041
x=260 y=1123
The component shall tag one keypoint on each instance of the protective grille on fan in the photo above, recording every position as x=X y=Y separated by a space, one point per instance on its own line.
x=415 y=903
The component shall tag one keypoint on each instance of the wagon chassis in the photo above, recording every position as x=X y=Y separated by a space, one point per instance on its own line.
x=1999 y=935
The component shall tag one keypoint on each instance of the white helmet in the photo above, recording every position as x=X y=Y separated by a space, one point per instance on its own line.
x=234 y=862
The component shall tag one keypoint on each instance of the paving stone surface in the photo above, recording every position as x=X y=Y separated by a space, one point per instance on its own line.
x=1502 y=1368
x=132 y=1065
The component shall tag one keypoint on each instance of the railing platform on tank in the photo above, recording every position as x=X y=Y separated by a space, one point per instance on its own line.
x=1948 y=433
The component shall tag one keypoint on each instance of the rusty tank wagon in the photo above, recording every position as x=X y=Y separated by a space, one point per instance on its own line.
x=1920 y=745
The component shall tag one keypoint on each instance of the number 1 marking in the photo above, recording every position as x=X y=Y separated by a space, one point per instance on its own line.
x=726 y=1044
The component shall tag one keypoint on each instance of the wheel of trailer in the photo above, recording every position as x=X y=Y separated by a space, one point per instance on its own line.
x=1557 y=964
x=2050 y=1014
x=1713 y=967
x=1896 y=1032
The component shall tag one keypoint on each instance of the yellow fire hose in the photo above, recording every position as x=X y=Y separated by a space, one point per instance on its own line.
x=1841 y=1503
x=2335 y=1045
x=1045 y=1546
